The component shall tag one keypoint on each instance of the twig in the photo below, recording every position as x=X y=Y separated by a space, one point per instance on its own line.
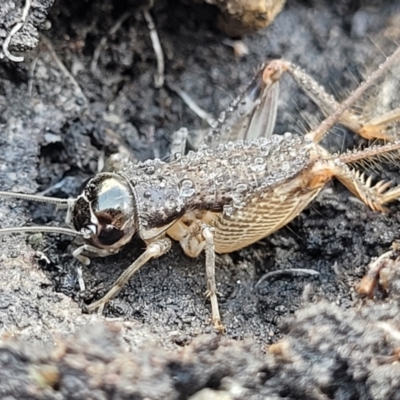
x=395 y=334
x=64 y=70
x=159 y=76
x=81 y=281
x=103 y=41
x=300 y=271
x=239 y=48
x=14 y=30
x=204 y=115
x=32 y=74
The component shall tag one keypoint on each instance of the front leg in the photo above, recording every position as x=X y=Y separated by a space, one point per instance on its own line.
x=153 y=250
x=88 y=248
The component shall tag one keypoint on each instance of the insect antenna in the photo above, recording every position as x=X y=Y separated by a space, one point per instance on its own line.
x=67 y=203
x=41 y=229
x=35 y=197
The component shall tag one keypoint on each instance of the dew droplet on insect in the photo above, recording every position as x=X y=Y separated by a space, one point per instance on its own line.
x=228 y=210
x=258 y=164
x=241 y=187
x=287 y=135
x=276 y=139
x=187 y=188
x=222 y=117
x=150 y=170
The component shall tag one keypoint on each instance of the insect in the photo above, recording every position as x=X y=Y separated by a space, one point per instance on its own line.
x=227 y=194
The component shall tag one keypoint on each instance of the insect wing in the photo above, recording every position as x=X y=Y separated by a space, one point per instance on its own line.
x=252 y=115
x=263 y=119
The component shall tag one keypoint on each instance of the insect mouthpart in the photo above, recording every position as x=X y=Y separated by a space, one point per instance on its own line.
x=105 y=212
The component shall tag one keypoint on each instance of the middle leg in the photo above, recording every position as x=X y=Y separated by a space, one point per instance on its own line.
x=210 y=275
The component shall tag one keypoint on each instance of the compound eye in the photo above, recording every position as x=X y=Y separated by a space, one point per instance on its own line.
x=109 y=235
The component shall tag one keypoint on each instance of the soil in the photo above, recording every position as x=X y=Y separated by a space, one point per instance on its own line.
x=62 y=113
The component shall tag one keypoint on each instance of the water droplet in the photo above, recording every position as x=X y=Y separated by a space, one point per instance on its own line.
x=239 y=144
x=276 y=139
x=298 y=161
x=241 y=187
x=203 y=147
x=235 y=102
x=219 y=180
x=209 y=152
x=287 y=135
x=270 y=181
x=187 y=188
x=228 y=210
x=279 y=176
x=303 y=150
x=150 y=170
x=246 y=144
x=191 y=155
x=184 y=161
x=258 y=164
x=264 y=150
x=234 y=160
x=221 y=147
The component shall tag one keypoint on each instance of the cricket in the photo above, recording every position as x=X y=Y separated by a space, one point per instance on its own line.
x=239 y=184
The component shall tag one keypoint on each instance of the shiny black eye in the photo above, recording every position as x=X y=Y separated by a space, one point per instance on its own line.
x=109 y=235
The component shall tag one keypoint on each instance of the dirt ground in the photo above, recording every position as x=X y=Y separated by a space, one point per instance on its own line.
x=63 y=110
